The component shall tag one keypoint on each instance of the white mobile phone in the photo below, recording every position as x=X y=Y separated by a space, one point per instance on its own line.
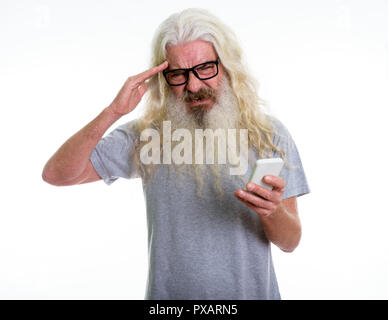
x=263 y=167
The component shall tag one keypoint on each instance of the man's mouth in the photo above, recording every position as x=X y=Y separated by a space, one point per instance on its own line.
x=198 y=101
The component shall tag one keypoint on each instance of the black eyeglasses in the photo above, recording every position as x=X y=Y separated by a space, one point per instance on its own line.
x=203 y=71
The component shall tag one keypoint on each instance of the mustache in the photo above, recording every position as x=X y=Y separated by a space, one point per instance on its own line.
x=202 y=94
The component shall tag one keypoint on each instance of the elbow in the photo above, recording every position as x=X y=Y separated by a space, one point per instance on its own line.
x=292 y=244
x=288 y=249
x=49 y=177
x=56 y=177
x=46 y=178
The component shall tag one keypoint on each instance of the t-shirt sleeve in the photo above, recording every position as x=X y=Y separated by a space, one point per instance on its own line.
x=292 y=172
x=113 y=156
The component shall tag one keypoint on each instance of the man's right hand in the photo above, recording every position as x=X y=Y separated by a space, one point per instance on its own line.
x=133 y=90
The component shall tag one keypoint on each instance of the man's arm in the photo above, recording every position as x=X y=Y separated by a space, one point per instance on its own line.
x=70 y=164
x=279 y=217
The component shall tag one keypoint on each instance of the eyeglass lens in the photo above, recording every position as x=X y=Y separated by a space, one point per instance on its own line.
x=203 y=71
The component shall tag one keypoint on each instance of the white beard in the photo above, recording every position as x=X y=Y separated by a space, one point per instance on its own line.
x=224 y=115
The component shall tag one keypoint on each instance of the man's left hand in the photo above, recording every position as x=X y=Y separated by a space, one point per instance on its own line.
x=261 y=200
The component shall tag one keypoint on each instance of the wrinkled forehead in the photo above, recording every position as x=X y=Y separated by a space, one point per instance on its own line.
x=189 y=54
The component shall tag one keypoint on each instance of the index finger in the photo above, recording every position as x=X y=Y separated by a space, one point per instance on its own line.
x=141 y=77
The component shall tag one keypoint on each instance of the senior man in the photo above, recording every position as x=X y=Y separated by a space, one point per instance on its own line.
x=209 y=231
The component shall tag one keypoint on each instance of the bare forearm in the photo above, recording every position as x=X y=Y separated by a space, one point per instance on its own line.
x=71 y=159
x=283 y=228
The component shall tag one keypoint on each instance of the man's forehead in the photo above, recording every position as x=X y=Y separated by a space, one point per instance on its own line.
x=189 y=54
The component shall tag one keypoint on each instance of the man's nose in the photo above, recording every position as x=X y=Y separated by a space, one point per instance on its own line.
x=193 y=83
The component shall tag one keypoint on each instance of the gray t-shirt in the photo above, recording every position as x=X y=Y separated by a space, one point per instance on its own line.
x=208 y=247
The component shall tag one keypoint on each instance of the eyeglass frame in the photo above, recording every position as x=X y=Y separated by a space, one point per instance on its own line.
x=187 y=72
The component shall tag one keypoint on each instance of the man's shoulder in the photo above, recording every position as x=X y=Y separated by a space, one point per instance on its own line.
x=130 y=128
x=279 y=130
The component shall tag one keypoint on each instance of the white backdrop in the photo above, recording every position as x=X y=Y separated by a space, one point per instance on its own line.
x=323 y=67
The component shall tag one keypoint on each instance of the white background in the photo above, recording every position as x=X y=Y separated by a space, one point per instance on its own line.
x=322 y=66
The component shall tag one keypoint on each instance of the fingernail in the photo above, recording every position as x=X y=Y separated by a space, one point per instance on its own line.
x=250 y=186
